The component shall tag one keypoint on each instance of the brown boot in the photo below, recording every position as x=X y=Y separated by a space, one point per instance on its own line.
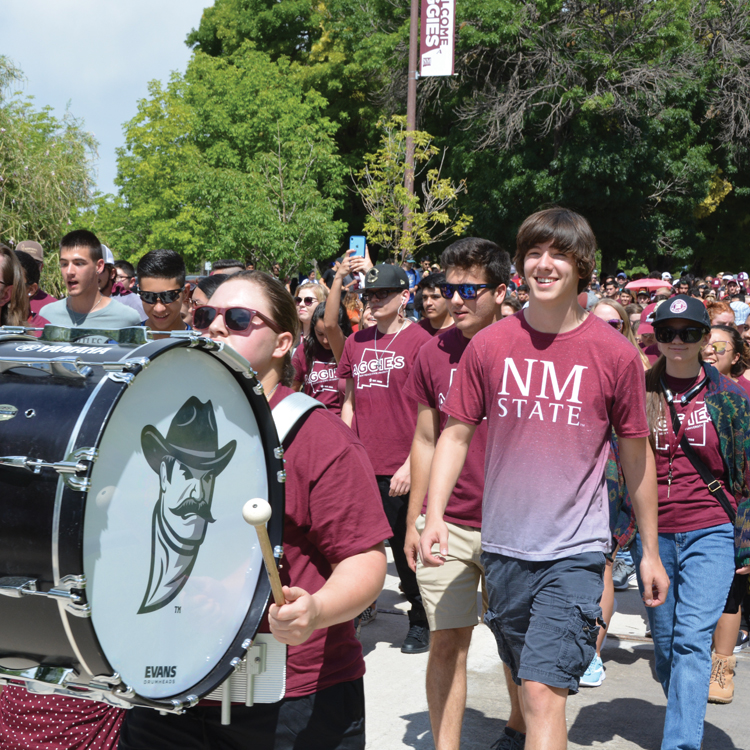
x=721 y=686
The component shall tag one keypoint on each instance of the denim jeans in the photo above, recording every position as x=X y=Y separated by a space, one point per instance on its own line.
x=700 y=565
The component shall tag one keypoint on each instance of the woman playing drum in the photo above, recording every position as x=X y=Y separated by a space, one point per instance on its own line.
x=333 y=563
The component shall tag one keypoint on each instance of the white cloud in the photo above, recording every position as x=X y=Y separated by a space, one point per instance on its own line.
x=97 y=56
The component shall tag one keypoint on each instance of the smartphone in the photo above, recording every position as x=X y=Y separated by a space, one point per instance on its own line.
x=358 y=242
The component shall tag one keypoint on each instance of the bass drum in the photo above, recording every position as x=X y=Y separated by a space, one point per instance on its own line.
x=127 y=573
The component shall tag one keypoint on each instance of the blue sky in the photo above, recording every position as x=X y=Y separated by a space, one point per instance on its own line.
x=97 y=57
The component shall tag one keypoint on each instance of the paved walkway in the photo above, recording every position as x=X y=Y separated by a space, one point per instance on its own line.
x=625 y=713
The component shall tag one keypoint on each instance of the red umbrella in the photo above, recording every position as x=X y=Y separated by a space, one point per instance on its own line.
x=650 y=284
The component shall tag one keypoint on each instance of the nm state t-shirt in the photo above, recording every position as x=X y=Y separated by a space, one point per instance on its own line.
x=551 y=401
x=428 y=384
x=384 y=416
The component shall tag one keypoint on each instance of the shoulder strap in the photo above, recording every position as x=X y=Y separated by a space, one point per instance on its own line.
x=714 y=485
x=291 y=411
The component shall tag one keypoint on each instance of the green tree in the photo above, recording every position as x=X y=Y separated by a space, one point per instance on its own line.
x=380 y=185
x=233 y=159
x=46 y=172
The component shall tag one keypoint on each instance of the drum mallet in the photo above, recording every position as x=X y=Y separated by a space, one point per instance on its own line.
x=257 y=512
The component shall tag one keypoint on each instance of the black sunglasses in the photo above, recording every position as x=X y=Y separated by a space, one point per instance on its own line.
x=465 y=291
x=165 y=298
x=378 y=294
x=235 y=318
x=667 y=334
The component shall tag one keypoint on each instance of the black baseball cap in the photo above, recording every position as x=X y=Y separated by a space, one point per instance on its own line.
x=682 y=307
x=385 y=276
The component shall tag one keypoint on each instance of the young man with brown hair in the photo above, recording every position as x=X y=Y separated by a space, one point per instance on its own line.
x=553 y=383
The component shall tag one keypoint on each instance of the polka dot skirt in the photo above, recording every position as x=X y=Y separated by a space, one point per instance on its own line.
x=53 y=722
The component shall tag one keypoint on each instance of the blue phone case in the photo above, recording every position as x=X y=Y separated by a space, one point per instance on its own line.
x=358 y=241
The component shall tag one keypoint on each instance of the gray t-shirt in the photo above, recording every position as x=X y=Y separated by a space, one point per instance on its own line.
x=115 y=315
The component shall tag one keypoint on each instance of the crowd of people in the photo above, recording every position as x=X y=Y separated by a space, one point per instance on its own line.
x=531 y=429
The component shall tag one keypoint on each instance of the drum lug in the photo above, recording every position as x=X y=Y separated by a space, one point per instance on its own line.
x=278 y=452
x=65 y=367
x=278 y=552
x=67 y=469
x=258 y=389
x=281 y=476
x=122 y=377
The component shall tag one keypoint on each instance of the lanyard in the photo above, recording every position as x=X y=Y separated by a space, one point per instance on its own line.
x=674 y=442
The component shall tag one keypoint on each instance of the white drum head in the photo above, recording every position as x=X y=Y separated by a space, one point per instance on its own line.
x=171 y=566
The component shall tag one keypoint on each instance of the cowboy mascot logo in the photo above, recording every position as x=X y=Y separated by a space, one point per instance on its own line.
x=187 y=461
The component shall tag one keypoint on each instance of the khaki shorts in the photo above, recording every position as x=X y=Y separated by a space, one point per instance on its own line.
x=449 y=592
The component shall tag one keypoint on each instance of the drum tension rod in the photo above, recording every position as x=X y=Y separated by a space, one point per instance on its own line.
x=18 y=587
x=75 y=464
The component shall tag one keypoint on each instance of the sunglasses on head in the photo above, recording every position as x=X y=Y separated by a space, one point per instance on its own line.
x=667 y=334
x=309 y=301
x=465 y=291
x=150 y=298
x=378 y=294
x=235 y=318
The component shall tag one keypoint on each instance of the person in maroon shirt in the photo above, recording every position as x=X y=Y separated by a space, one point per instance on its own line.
x=39 y=298
x=696 y=534
x=430 y=302
x=334 y=558
x=476 y=277
x=376 y=364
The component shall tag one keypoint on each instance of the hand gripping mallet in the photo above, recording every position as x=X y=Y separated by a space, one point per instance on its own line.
x=257 y=512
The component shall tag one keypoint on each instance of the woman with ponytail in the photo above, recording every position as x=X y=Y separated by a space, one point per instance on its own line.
x=700 y=432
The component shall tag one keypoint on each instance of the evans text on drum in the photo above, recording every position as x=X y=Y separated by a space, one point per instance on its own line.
x=127 y=573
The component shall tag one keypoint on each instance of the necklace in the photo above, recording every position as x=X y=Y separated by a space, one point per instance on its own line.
x=388 y=345
x=80 y=317
x=273 y=390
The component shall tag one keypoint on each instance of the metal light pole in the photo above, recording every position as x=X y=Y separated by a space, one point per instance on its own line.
x=411 y=111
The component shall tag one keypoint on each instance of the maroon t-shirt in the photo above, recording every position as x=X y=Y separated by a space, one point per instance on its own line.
x=322 y=383
x=54 y=722
x=333 y=511
x=39 y=300
x=425 y=323
x=690 y=505
x=428 y=384
x=743 y=383
x=384 y=416
x=551 y=403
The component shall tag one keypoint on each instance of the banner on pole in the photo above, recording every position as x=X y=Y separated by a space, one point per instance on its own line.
x=437 y=37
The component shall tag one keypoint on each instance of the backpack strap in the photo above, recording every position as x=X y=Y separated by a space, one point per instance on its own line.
x=291 y=413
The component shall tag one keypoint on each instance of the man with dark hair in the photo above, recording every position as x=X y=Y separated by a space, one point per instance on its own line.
x=682 y=286
x=81 y=264
x=162 y=289
x=522 y=293
x=561 y=381
x=40 y=298
x=431 y=305
x=611 y=290
x=227 y=266
x=125 y=274
x=477 y=273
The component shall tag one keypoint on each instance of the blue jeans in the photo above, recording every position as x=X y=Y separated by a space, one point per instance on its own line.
x=700 y=565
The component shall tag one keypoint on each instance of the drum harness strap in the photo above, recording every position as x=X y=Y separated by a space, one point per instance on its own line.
x=290 y=414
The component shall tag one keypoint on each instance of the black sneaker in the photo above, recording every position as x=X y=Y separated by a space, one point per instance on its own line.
x=417 y=640
x=623 y=575
x=510 y=740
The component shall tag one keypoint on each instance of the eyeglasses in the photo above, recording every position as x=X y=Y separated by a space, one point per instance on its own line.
x=309 y=301
x=235 y=318
x=616 y=323
x=166 y=298
x=378 y=294
x=719 y=347
x=667 y=334
x=465 y=291
x=122 y=278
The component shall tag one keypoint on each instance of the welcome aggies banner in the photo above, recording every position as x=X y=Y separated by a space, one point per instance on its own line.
x=437 y=37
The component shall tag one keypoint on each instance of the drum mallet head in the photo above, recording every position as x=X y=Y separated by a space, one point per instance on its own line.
x=257 y=512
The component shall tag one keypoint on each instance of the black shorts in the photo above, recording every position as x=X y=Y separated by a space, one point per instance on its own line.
x=331 y=719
